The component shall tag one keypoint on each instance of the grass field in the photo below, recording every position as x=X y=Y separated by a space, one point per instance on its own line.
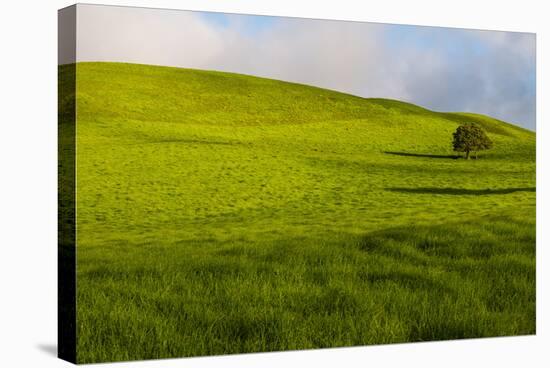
x=220 y=213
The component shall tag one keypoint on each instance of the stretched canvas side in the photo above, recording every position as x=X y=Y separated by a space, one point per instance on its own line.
x=66 y=318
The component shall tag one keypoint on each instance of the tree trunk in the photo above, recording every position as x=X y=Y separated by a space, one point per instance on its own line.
x=467 y=155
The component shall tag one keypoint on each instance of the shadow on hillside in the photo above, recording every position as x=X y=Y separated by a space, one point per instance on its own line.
x=192 y=141
x=460 y=191
x=419 y=155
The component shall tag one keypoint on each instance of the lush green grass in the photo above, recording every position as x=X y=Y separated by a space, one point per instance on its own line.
x=221 y=213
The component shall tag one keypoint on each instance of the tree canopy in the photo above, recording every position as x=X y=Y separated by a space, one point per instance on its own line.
x=470 y=137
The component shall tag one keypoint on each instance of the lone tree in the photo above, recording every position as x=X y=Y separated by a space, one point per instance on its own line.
x=470 y=137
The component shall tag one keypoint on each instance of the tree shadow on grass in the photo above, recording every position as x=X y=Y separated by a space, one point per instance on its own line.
x=460 y=191
x=407 y=154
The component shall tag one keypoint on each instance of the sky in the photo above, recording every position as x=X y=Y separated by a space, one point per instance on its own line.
x=442 y=69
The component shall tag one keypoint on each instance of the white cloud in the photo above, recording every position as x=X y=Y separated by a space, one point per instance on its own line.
x=147 y=36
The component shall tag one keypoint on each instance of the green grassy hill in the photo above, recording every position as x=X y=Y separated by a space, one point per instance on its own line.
x=222 y=213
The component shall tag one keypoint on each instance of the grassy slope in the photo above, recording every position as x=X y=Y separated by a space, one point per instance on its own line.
x=222 y=213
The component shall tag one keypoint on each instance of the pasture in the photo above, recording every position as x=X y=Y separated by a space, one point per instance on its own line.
x=219 y=213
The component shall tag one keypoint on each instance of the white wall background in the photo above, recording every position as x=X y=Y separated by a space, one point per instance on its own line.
x=28 y=182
